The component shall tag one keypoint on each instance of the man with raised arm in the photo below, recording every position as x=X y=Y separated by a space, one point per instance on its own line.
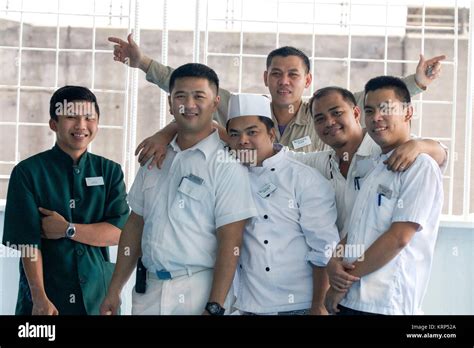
x=287 y=75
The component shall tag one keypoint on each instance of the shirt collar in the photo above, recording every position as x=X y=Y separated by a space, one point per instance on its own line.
x=301 y=118
x=365 y=148
x=65 y=158
x=273 y=161
x=206 y=146
x=383 y=156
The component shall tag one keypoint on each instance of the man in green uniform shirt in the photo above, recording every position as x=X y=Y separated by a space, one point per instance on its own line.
x=64 y=207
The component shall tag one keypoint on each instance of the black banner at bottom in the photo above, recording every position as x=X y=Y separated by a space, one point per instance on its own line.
x=430 y=331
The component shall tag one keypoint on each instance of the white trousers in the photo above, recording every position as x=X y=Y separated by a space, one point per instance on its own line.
x=185 y=295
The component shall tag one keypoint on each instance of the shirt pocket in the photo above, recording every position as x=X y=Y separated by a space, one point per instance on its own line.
x=193 y=204
x=191 y=189
x=383 y=218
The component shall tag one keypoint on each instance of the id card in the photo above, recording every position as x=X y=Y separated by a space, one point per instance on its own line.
x=266 y=190
x=95 y=181
x=304 y=141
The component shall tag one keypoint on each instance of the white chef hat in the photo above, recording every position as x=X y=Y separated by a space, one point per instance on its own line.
x=249 y=105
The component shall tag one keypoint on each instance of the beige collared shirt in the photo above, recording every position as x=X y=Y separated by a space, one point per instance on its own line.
x=296 y=132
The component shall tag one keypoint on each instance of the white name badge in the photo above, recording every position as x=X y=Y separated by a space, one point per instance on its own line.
x=304 y=141
x=95 y=181
x=266 y=190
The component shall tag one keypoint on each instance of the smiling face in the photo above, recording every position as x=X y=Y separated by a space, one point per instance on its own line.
x=192 y=103
x=76 y=127
x=387 y=118
x=286 y=79
x=251 y=134
x=336 y=120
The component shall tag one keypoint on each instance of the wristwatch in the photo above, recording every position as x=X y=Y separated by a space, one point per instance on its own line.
x=214 y=308
x=70 y=231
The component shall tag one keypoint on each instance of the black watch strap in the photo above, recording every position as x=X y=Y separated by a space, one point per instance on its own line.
x=214 y=308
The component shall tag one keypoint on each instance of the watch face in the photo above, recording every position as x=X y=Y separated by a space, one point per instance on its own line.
x=70 y=232
x=213 y=308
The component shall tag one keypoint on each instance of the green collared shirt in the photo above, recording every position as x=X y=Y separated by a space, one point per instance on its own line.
x=76 y=275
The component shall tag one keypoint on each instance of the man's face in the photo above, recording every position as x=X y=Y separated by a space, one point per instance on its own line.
x=192 y=103
x=336 y=121
x=77 y=125
x=387 y=118
x=250 y=134
x=286 y=79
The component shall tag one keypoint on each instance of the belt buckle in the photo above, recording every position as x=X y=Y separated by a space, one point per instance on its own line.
x=163 y=275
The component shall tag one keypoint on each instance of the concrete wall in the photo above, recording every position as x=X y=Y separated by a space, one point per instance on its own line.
x=38 y=69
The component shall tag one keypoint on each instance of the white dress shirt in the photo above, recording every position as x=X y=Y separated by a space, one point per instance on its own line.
x=185 y=202
x=415 y=195
x=327 y=163
x=295 y=228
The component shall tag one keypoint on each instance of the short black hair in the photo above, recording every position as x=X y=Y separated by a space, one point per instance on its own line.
x=322 y=92
x=389 y=82
x=69 y=94
x=287 y=51
x=195 y=70
x=268 y=122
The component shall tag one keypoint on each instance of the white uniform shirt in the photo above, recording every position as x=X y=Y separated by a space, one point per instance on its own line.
x=327 y=163
x=415 y=195
x=185 y=202
x=295 y=226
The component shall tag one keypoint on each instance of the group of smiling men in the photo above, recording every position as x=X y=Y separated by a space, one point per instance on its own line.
x=278 y=206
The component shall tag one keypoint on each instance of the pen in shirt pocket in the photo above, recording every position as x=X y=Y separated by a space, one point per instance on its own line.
x=383 y=191
x=380 y=198
x=357 y=183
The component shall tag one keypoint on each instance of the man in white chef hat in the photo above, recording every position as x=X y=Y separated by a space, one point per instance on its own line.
x=285 y=248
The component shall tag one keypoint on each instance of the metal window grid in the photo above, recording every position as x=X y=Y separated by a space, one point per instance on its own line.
x=202 y=13
x=129 y=92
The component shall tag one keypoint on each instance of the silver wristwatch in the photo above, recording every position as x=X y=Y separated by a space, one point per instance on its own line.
x=70 y=231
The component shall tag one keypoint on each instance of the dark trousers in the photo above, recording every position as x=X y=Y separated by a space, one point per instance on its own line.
x=348 y=311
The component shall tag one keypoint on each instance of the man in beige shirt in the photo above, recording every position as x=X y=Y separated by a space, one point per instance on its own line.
x=287 y=75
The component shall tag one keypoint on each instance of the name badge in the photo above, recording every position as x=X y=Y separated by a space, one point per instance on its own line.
x=304 y=141
x=385 y=191
x=265 y=191
x=95 y=181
